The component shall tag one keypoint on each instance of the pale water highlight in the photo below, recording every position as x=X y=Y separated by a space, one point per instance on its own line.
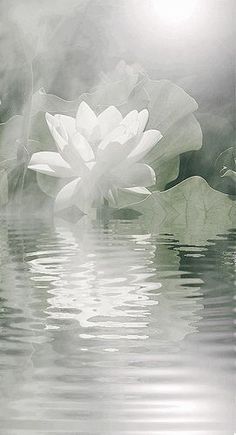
x=108 y=329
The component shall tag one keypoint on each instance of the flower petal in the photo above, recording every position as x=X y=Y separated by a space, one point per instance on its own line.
x=43 y=169
x=131 y=122
x=130 y=118
x=126 y=131
x=67 y=125
x=50 y=185
x=143 y=119
x=54 y=126
x=138 y=190
x=61 y=128
x=147 y=142
x=50 y=163
x=82 y=147
x=52 y=122
x=135 y=175
x=114 y=154
x=108 y=120
x=86 y=120
x=117 y=135
x=77 y=193
x=66 y=197
x=73 y=147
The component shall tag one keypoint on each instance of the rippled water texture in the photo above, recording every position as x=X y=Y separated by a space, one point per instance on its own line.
x=107 y=329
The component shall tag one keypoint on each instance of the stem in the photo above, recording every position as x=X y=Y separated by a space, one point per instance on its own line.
x=105 y=202
x=26 y=130
x=23 y=145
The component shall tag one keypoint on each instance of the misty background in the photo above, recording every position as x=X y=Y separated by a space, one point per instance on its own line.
x=65 y=47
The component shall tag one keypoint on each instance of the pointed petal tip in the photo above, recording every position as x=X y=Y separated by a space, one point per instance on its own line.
x=51 y=121
x=143 y=119
x=43 y=169
x=139 y=190
x=86 y=119
x=108 y=120
x=84 y=105
x=144 y=112
x=82 y=147
x=48 y=116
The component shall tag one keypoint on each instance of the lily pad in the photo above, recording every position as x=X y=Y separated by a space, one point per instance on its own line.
x=195 y=210
x=113 y=89
x=43 y=102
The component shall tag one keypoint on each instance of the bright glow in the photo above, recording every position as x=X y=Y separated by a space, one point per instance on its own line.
x=175 y=11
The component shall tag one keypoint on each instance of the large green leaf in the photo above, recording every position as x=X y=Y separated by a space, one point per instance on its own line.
x=166 y=171
x=192 y=209
x=43 y=102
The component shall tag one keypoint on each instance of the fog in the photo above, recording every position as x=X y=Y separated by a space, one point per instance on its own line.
x=116 y=313
x=65 y=46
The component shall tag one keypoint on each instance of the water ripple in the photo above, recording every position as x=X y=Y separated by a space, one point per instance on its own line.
x=108 y=329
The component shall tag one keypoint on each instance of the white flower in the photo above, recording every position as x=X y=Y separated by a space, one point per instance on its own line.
x=99 y=155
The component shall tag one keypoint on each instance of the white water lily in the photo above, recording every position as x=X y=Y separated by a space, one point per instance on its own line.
x=98 y=155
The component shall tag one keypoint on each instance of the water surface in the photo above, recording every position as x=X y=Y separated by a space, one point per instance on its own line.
x=108 y=329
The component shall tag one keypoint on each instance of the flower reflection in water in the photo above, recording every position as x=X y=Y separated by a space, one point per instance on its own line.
x=105 y=326
x=110 y=283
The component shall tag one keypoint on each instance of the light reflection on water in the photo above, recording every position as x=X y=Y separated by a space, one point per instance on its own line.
x=107 y=329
